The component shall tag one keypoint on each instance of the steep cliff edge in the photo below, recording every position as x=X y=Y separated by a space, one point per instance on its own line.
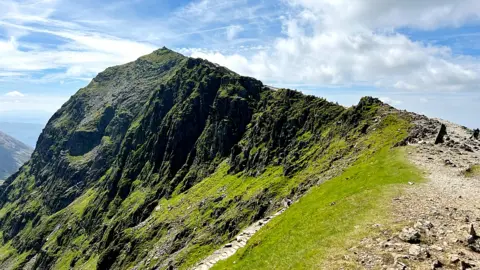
x=158 y=162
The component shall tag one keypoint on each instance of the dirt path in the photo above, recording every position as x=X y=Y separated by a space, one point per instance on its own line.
x=438 y=214
x=240 y=241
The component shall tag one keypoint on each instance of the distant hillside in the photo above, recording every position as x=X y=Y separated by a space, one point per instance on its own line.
x=25 y=132
x=13 y=154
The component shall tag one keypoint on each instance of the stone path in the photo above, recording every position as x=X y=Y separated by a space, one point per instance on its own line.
x=240 y=241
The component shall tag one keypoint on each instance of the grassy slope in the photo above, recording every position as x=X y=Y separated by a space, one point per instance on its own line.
x=313 y=230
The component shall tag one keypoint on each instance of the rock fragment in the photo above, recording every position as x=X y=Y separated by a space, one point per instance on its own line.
x=410 y=235
x=454 y=259
x=465 y=265
x=419 y=252
x=467 y=148
x=437 y=265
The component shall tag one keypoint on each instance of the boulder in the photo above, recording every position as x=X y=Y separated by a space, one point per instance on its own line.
x=441 y=134
x=410 y=235
x=419 y=252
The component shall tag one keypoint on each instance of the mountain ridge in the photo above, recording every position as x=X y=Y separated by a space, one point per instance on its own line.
x=118 y=168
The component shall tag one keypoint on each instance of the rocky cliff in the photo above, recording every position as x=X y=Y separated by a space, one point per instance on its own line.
x=158 y=162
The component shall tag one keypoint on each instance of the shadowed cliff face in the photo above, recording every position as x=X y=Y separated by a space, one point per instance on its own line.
x=13 y=154
x=153 y=164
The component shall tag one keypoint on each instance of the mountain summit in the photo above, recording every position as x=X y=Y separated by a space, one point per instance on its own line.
x=159 y=162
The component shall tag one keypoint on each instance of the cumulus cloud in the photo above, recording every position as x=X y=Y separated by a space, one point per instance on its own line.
x=14 y=94
x=355 y=43
x=84 y=55
x=372 y=14
x=78 y=53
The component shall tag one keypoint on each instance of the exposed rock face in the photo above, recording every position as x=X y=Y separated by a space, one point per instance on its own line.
x=13 y=154
x=118 y=176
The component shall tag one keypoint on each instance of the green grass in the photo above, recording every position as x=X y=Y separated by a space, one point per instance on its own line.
x=79 y=205
x=6 y=251
x=473 y=171
x=308 y=233
x=20 y=260
x=63 y=263
x=88 y=265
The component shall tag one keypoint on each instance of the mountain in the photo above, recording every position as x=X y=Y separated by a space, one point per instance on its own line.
x=25 y=132
x=159 y=162
x=13 y=154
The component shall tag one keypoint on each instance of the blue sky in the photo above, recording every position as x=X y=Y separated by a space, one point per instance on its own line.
x=420 y=55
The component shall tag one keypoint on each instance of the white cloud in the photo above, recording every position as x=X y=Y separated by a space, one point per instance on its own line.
x=83 y=56
x=390 y=101
x=355 y=43
x=325 y=42
x=374 y=14
x=14 y=94
x=233 y=31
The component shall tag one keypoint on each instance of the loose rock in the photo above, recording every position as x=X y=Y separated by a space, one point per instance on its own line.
x=437 y=264
x=410 y=235
x=465 y=265
x=454 y=259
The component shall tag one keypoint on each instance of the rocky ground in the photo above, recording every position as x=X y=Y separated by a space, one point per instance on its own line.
x=433 y=223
